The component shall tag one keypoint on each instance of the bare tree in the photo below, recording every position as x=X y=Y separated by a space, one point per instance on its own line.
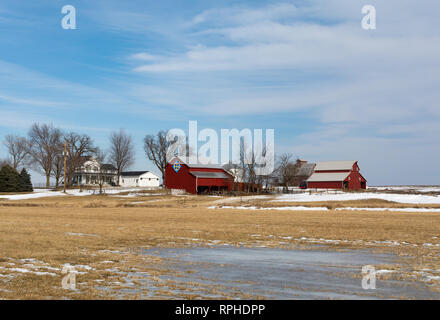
x=58 y=167
x=18 y=149
x=100 y=158
x=254 y=170
x=251 y=171
x=253 y=163
x=282 y=168
x=263 y=168
x=4 y=162
x=235 y=171
x=78 y=147
x=156 y=147
x=43 y=147
x=247 y=165
x=287 y=169
x=121 y=153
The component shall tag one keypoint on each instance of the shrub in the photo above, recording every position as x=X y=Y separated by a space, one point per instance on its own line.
x=8 y=179
x=24 y=181
x=11 y=181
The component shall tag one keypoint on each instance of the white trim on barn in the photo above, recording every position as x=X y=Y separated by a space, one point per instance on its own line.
x=139 y=179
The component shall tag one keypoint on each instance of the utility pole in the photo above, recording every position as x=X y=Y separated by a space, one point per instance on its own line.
x=65 y=164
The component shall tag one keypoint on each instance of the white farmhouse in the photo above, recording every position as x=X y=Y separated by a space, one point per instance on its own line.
x=139 y=179
x=90 y=172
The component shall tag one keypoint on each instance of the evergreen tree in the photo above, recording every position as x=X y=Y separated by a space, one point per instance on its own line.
x=25 y=184
x=9 y=179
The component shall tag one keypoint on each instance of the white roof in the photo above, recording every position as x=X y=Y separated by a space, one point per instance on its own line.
x=196 y=165
x=335 y=165
x=137 y=173
x=328 y=176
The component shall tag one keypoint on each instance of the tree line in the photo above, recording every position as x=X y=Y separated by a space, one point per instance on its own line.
x=43 y=149
x=284 y=174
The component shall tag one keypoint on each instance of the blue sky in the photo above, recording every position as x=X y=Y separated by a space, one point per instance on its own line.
x=330 y=89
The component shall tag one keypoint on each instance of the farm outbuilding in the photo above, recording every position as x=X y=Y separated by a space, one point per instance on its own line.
x=303 y=171
x=337 y=175
x=139 y=179
x=197 y=178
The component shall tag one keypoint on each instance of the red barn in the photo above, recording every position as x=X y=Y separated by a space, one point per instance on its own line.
x=337 y=175
x=197 y=178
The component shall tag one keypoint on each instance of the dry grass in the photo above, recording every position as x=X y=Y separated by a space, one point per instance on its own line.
x=82 y=230
x=365 y=203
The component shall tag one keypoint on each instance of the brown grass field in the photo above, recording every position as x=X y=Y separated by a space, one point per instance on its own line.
x=102 y=236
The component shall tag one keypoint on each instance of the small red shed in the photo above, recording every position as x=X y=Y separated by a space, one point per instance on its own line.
x=337 y=175
x=197 y=178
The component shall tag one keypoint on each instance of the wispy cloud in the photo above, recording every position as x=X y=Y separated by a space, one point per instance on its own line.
x=306 y=68
x=374 y=87
x=143 y=56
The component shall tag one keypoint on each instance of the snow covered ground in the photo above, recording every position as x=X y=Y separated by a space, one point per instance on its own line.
x=42 y=193
x=38 y=193
x=134 y=195
x=420 y=189
x=400 y=198
x=392 y=209
x=302 y=208
x=296 y=208
x=296 y=197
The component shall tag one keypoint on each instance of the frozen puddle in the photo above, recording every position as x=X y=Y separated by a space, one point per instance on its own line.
x=285 y=274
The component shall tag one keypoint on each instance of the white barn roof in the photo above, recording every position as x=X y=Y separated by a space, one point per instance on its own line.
x=328 y=176
x=335 y=165
x=196 y=165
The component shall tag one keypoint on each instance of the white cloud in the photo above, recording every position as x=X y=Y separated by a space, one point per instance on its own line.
x=372 y=94
x=144 y=56
x=246 y=15
x=29 y=101
x=380 y=75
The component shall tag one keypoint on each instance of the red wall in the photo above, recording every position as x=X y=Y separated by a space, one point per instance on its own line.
x=184 y=180
x=213 y=182
x=181 y=179
x=354 y=181
x=325 y=185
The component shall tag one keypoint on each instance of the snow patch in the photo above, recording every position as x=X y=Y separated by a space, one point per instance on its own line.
x=391 y=209
x=384 y=271
x=43 y=193
x=400 y=198
x=78 y=234
x=296 y=208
